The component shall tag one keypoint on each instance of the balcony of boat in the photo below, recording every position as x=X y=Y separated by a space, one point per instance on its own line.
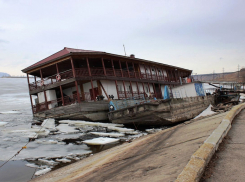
x=68 y=100
x=83 y=73
x=51 y=80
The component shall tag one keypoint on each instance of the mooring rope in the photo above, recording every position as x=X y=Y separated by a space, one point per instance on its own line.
x=24 y=147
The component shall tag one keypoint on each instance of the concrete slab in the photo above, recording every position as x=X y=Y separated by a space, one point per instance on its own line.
x=229 y=162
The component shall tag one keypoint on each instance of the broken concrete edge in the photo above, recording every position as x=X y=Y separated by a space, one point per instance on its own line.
x=199 y=160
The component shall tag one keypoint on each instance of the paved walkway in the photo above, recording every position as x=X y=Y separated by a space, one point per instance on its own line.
x=156 y=157
x=229 y=163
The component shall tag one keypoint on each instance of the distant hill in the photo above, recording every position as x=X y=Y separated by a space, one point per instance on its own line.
x=222 y=77
x=2 y=74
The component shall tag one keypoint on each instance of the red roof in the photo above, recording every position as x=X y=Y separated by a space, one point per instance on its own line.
x=62 y=52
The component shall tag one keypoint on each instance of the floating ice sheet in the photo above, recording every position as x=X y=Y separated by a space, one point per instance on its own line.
x=10 y=112
x=63 y=160
x=101 y=141
x=42 y=171
x=49 y=124
x=86 y=123
x=65 y=128
x=3 y=123
x=108 y=134
x=122 y=130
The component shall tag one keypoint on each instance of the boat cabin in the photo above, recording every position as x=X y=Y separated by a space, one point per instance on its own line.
x=73 y=76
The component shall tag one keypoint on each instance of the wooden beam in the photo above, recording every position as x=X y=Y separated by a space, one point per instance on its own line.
x=117 y=89
x=160 y=90
x=99 y=87
x=93 y=90
x=73 y=68
x=154 y=89
x=62 y=96
x=102 y=60
x=104 y=90
x=89 y=71
x=112 y=64
x=41 y=74
x=78 y=94
x=45 y=97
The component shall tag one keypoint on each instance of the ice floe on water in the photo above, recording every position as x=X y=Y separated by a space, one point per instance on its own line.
x=10 y=112
x=55 y=142
x=3 y=123
x=42 y=171
x=49 y=124
x=108 y=134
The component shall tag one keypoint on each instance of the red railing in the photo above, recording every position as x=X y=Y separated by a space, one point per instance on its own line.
x=68 y=100
x=83 y=72
x=51 y=79
x=80 y=72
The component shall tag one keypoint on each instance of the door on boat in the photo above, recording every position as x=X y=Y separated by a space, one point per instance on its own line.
x=96 y=93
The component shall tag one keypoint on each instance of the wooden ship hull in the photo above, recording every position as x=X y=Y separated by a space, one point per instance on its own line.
x=88 y=111
x=161 y=112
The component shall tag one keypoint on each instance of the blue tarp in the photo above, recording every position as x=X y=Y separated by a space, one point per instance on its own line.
x=199 y=89
x=166 y=93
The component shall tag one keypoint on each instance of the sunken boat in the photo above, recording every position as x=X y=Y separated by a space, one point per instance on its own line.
x=179 y=104
x=78 y=84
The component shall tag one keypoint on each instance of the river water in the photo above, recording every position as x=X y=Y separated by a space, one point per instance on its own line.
x=49 y=151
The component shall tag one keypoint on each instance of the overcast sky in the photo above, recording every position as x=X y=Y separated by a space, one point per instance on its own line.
x=203 y=36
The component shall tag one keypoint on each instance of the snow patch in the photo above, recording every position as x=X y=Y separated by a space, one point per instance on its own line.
x=42 y=171
x=3 y=123
x=65 y=128
x=108 y=134
x=49 y=124
x=101 y=141
x=64 y=160
x=10 y=112
x=206 y=112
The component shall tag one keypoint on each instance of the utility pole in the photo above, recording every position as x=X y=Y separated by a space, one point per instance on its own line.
x=124 y=50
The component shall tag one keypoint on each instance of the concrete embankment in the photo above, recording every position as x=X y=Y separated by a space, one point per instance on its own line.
x=199 y=160
x=228 y=162
x=157 y=157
